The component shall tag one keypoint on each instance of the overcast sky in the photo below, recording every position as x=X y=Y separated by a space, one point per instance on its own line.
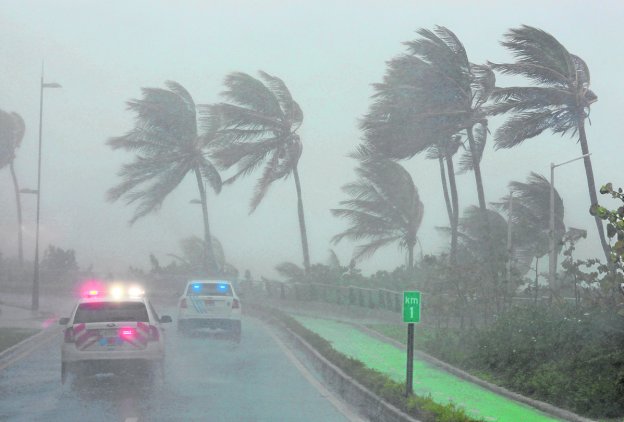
x=327 y=52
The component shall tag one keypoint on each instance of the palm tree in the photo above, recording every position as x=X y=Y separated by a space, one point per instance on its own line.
x=444 y=151
x=193 y=253
x=384 y=208
x=559 y=101
x=431 y=94
x=259 y=127
x=530 y=216
x=168 y=146
x=12 y=129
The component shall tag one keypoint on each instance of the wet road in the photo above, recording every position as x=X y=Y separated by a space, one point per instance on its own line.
x=206 y=379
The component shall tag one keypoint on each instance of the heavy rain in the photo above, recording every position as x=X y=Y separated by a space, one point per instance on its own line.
x=311 y=211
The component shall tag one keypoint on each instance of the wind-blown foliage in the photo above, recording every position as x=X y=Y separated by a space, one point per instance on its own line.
x=193 y=253
x=167 y=148
x=530 y=218
x=559 y=99
x=12 y=129
x=384 y=208
x=427 y=96
x=258 y=128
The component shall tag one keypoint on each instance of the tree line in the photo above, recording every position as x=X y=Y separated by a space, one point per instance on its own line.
x=432 y=100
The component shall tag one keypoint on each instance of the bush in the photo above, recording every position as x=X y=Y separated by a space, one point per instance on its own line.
x=560 y=354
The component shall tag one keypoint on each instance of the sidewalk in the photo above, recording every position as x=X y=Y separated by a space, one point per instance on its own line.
x=428 y=379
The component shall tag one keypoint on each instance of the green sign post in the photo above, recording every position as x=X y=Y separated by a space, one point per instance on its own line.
x=411 y=306
x=411 y=315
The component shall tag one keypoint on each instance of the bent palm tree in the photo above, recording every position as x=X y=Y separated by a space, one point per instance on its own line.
x=168 y=146
x=560 y=102
x=431 y=94
x=530 y=214
x=384 y=208
x=444 y=151
x=258 y=128
x=12 y=129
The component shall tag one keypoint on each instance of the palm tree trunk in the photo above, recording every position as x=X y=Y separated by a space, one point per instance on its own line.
x=536 y=278
x=20 y=244
x=447 y=199
x=455 y=207
x=410 y=257
x=477 y=172
x=591 y=185
x=210 y=263
x=302 y=226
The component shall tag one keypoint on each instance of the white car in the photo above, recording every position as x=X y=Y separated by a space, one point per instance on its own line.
x=210 y=304
x=119 y=334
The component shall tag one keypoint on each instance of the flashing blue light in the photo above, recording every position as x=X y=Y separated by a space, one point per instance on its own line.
x=222 y=286
x=197 y=287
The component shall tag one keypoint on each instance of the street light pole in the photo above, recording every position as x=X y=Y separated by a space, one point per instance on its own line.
x=35 y=289
x=552 y=256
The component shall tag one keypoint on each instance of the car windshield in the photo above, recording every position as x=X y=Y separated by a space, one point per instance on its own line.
x=111 y=312
x=209 y=289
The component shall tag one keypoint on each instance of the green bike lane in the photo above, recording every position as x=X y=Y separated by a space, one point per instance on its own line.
x=443 y=387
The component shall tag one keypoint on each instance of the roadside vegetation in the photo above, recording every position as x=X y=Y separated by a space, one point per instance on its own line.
x=10 y=336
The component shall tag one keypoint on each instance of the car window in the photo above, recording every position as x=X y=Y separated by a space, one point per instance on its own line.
x=111 y=312
x=209 y=289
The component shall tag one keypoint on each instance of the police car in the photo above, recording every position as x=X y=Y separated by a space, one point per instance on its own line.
x=210 y=304
x=114 y=331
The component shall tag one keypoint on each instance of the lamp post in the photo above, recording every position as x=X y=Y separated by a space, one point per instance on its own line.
x=552 y=256
x=509 y=239
x=35 y=289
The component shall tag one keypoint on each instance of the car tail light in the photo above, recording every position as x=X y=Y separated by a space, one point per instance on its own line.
x=235 y=304
x=183 y=304
x=69 y=335
x=154 y=334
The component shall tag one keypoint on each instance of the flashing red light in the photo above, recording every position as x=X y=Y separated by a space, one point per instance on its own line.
x=235 y=304
x=90 y=289
x=127 y=333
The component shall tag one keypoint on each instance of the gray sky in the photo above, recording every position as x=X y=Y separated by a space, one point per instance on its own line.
x=327 y=52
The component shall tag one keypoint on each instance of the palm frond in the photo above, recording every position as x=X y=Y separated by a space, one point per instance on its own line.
x=522 y=126
x=291 y=271
x=368 y=250
x=290 y=108
x=467 y=161
x=252 y=94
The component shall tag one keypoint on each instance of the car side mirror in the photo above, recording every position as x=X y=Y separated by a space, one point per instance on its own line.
x=63 y=321
x=165 y=318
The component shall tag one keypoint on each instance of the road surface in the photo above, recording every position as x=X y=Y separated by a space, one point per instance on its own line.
x=206 y=378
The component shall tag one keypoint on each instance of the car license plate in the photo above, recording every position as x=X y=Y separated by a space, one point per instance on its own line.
x=108 y=333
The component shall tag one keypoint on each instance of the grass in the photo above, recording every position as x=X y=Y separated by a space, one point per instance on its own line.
x=10 y=336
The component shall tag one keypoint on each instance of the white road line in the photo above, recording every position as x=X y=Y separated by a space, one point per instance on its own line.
x=338 y=404
x=132 y=419
x=26 y=352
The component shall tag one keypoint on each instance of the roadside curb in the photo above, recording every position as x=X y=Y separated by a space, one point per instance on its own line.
x=540 y=405
x=368 y=403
